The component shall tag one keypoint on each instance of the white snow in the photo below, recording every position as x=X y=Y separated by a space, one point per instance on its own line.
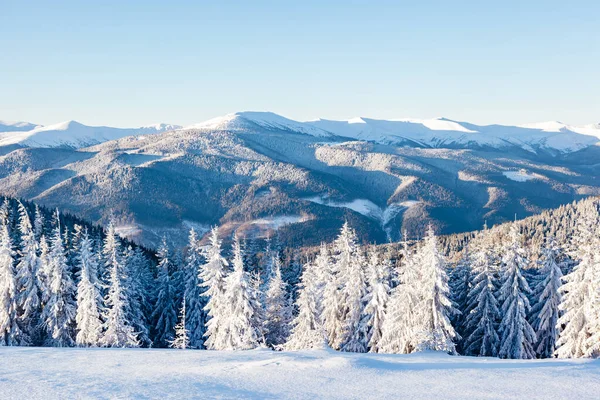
x=75 y=134
x=50 y=373
x=520 y=176
x=277 y=222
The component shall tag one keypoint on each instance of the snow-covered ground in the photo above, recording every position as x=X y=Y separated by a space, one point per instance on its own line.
x=47 y=373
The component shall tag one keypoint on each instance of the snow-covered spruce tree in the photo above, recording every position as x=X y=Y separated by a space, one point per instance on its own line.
x=545 y=312
x=181 y=340
x=399 y=325
x=240 y=332
x=59 y=313
x=376 y=299
x=579 y=303
x=307 y=330
x=278 y=313
x=118 y=331
x=483 y=312
x=10 y=332
x=28 y=289
x=89 y=299
x=137 y=283
x=339 y=324
x=212 y=278
x=165 y=313
x=195 y=313
x=434 y=332
x=257 y=299
x=460 y=285
x=517 y=337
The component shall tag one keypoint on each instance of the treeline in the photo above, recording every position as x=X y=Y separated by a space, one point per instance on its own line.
x=519 y=290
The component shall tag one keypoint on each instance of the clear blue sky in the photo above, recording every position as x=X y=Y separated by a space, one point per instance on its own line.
x=127 y=63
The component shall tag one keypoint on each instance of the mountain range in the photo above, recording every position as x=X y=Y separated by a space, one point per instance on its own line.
x=257 y=172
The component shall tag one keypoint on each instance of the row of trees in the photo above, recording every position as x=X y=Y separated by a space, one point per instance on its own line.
x=496 y=299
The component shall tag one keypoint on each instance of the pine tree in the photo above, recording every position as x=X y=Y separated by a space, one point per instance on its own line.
x=307 y=331
x=60 y=310
x=354 y=293
x=89 y=300
x=460 y=285
x=545 y=312
x=517 y=335
x=118 y=331
x=212 y=278
x=483 y=313
x=435 y=332
x=44 y=272
x=399 y=325
x=165 y=314
x=376 y=299
x=579 y=296
x=137 y=285
x=10 y=332
x=195 y=314
x=278 y=310
x=28 y=297
x=181 y=340
x=240 y=332
x=38 y=223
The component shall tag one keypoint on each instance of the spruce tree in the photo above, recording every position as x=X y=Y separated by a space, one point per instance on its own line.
x=517 y=335
x=10 y=332
x=545 y=312
x=240 y=332
x=28 y=297
x=118 y=331
x=60 y=310
x=212 y=278
x=277 y=308
x=165 y=314
x=89 y=299
x=307 y=330
x=181 y=340
x=195 y=315
x=377 y=298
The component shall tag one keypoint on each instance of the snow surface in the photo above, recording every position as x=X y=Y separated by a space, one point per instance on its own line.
x=520 y=176
x=51 y=373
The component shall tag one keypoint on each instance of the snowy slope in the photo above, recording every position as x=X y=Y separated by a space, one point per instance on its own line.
x=75 y=134
x=50 y=373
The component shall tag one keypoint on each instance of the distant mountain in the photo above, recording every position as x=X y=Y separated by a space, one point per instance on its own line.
x=9 y=126
x=72 y=134
x=258 y=172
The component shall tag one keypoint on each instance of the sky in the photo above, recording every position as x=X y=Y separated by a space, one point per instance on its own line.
x=133 y=63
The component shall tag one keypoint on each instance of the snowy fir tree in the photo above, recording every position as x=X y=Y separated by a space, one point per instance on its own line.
x=240 y=331
x=118 y=331
x=376 y=299
x=10 y=332
x=165 y=313
x=212 y=278
x=181 y=340
x=307 y=330
x=482 y=308
x=44 y=273
x=434 y=332
x=517 y=337
x=278 y=313
x=460 y=285
x=579 y=303
x=545 y=312
x=137 y=285
x=398 y=330
x=195 y=313
x=27 y=279
x=60 y=310
x=89 y=299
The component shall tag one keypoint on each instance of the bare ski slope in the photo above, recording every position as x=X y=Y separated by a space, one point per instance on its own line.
x=47 y=373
